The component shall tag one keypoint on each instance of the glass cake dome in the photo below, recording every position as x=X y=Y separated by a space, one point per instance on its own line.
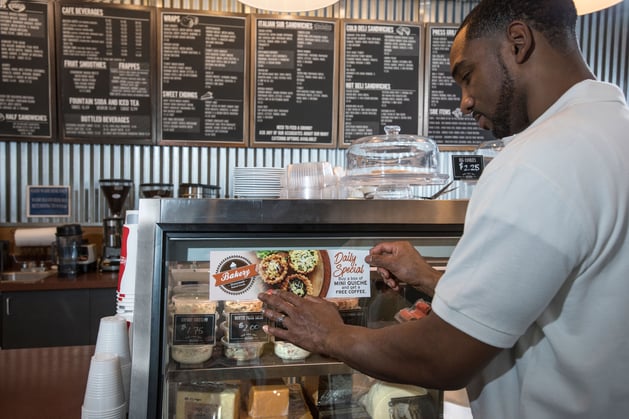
x=393 y=159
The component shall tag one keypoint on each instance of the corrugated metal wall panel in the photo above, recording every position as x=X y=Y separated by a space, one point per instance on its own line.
x=445 y=11
x=604 y=37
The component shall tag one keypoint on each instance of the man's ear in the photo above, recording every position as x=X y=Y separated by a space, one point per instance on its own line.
x=520 y=38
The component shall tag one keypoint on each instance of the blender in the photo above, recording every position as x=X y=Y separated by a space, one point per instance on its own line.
x=116 y=192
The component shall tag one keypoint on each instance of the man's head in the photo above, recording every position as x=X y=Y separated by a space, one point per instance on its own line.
x=554 y=19
x=505 y=58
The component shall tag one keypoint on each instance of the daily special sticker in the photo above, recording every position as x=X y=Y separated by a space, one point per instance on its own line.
x=349 y=274
x=242 y=275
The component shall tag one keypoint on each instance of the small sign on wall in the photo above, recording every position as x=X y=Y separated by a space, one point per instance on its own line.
x=47 y=201
x=467 y=167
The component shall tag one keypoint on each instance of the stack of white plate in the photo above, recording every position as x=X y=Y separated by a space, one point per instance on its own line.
x=257 y=182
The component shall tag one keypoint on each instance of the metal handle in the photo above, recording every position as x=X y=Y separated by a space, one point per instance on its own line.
x=7 y=306
x=441 y=191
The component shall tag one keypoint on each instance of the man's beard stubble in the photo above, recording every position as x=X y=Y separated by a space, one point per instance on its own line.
x=503 y=122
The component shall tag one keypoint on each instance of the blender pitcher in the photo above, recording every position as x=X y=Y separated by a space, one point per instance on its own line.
x=69 y=240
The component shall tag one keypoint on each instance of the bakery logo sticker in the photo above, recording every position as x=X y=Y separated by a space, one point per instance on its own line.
x=234 y=275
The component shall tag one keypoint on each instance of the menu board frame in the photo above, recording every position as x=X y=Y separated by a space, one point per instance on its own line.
x=200 y=139
x=419 y=86
x=290 y=129
x=148 y=46
x=455 y=114
x=50 y=71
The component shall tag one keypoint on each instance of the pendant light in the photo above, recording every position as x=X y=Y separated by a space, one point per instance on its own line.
x=289 y=5
x=590 y=6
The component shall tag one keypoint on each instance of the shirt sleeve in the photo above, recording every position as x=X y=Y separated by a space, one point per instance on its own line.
x=523 y=238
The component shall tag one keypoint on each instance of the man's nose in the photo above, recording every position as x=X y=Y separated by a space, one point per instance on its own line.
x=467 y=103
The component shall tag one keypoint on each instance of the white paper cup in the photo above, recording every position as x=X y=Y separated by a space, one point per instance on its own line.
x=125 y=371
x=129 y=319
x=125 y=306
x=128 y=316
x=125 y=300
x=113 y=337
x=128 y=258
x=119 y=412
x=104 y=390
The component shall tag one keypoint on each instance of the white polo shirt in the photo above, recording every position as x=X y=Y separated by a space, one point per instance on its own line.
x=542 y=269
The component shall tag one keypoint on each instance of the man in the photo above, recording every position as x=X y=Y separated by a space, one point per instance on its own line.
x=530 y=315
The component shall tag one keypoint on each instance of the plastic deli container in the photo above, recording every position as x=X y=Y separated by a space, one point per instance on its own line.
x=242 y=351
x=288 y=351
x=193 y=328
x=243 y=338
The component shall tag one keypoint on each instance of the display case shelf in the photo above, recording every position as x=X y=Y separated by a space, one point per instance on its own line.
x=268 y=365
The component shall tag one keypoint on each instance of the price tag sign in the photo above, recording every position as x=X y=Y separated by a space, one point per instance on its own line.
x=194 y=329
x=247 y=327
x=467 y=167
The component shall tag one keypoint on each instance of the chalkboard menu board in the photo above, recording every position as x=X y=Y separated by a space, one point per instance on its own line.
x=381 y=73
x=203 y=78
x=27 y=70
x=444 y=121
x=105 y=67
x=295 y=80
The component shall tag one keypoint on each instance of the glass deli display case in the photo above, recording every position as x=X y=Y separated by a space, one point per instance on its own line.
x=197 y=344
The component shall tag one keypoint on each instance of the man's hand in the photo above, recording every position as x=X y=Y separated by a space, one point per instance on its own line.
x=399 y=262
x=308 y=322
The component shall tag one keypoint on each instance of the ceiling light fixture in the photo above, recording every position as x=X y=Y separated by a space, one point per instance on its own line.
x=590 y=6
x=289 y=5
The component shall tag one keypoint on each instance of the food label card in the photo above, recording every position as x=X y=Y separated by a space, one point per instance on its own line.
x=330 y=273
x=194 y=329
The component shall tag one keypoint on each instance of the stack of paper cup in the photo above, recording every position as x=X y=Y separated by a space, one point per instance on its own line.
x=125 y=295
x=104 y=394
x=113 y=338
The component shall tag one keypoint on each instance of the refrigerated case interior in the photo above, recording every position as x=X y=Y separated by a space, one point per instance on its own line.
x=207 y=352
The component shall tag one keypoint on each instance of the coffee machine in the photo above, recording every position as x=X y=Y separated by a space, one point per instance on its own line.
x=116 y=192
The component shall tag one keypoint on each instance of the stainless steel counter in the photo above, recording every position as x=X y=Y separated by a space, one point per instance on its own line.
x=438 y=213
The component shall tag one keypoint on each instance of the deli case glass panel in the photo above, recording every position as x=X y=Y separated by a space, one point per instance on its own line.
x=198 y=345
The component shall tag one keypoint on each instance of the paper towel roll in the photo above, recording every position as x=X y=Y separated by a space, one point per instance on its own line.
x=35 y=236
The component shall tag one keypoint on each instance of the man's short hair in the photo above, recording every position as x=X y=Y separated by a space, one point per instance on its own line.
x=555 y=19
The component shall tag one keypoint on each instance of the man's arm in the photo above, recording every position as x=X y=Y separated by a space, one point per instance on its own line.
x=426 y=352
